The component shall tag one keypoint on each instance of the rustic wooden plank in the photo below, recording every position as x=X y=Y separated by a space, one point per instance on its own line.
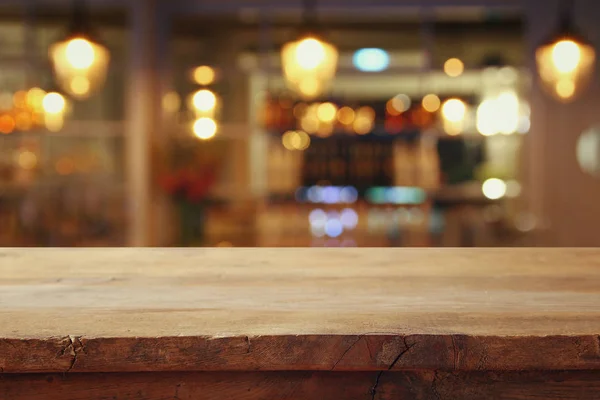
x=304 y=385
x=84 y=310
x=314 y=352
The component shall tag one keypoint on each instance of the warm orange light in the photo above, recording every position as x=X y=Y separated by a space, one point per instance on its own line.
x=326 y=112
x=23 y=121
x=454 y=67
x=7 y=124
x=309 y=65
x=565 y=67
x=80 y=65
x=345 y=115
x=204 y=75
x=20 y=99
x=431 y=103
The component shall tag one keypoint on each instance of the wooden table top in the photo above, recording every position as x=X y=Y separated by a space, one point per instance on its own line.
x=290 y=309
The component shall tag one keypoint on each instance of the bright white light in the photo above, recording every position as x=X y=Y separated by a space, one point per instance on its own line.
x=566 y=56
x=371 y=60
x=494 y=188
x=53 y=103
x=80 y=53
x=524 y=124
x=454 y=110
x=508 y=105
x=310 y=53
x=487 y=118
x=204 y=100
x=205 y=128
x=499 y=115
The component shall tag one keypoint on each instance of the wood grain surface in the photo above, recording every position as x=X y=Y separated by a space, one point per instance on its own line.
x=143 y=310
x=305 y=385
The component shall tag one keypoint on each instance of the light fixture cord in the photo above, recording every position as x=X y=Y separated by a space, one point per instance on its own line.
x=566 y=16
x=309 y=13
x=79 y=18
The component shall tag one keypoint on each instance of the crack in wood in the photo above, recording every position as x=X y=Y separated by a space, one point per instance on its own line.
x=247 y=344
x=346 y=352
x=391 y=366
x=455 y=352
x=75 y=346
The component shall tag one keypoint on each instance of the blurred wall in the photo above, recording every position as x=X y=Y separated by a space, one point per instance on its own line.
x=565 y=199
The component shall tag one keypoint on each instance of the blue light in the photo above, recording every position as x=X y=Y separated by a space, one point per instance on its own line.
x=371 y=60
x=334 y=228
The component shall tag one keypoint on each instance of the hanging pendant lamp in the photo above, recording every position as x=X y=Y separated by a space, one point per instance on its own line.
x=309 y=63
x=566 y=61
x=80 y=61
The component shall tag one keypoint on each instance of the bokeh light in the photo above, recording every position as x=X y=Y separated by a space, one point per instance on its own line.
x=400 y=103
x=310 y=53
x=431 y=103
x=205 y=128
x=371 y=60
x=7 y=124
x=454 y=110
x=326 y=112
x=454 y=67
x=566 y=56
x=27 y=160
x=345 y=115
x=494 y=188
x=204 y=100
x=80 y=85
x=295 y=140
x=35 y=98
x=80 y=53
x=54 y=103
x=204 y=75
x=171 y=102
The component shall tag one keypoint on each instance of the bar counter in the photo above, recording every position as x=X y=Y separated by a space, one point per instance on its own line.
x=300 y=324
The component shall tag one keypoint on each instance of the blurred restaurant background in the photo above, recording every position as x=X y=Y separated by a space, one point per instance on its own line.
x=316 y=123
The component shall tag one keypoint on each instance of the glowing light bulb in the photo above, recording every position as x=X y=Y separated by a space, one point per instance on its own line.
x=454 y=110
x=205 y=128
x=310 y=53
x=566 y=56
x=204 y=100
x=53 y=103
x=494 y=188
x=80 y=53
